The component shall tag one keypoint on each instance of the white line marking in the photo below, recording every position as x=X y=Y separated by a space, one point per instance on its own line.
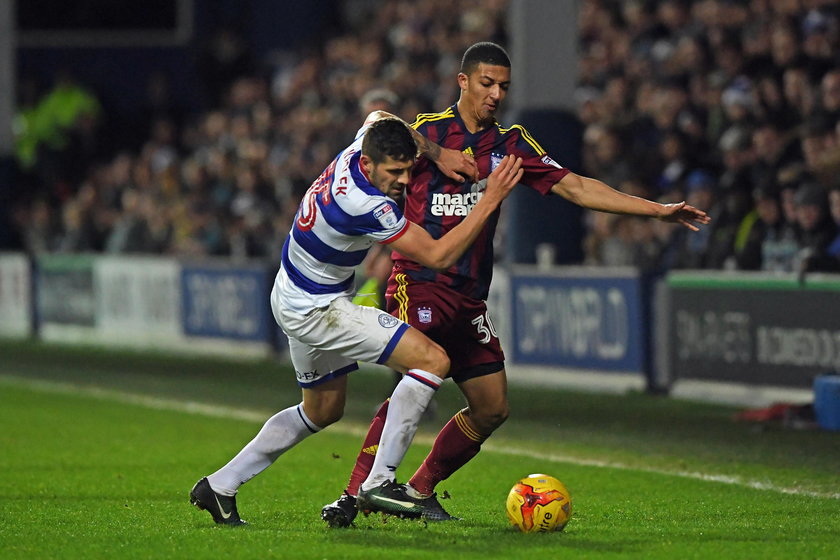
x=256 y=416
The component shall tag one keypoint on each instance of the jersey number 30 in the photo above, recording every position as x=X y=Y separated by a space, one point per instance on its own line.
x=485 y=328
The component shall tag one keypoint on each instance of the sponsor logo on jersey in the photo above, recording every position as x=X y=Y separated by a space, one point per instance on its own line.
x=548 y=161
x=469 y=151
x=454 y=204
x=495 y=160
x=388 y=321
x=386 y=216
x=424 y=315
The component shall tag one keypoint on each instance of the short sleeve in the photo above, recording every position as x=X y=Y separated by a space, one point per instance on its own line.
x=541 y=172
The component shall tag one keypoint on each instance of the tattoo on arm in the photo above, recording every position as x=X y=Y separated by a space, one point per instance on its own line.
x=425 y=146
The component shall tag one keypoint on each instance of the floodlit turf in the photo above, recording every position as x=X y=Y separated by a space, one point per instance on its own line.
x=90 y=474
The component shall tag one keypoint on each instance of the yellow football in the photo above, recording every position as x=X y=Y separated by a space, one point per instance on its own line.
x=539 y=503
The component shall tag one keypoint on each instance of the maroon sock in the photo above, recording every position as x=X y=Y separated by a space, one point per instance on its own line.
x=364 y=461
x=454 y=446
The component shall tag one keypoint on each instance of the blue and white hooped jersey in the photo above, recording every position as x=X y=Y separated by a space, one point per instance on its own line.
x=339 y=219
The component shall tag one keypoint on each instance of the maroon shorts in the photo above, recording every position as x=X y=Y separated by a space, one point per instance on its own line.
x=458 y=323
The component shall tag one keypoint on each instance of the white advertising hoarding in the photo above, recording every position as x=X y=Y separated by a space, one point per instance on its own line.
x=137 y=299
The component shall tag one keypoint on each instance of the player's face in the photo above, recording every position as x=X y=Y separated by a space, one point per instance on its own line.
x=390 y=176
x=484 y=89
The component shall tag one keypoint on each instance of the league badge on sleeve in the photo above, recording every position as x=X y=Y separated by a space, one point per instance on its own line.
x=548 y=161
x=386 y=216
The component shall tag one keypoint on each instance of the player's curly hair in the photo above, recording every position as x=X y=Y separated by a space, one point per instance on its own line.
x=389 y=137
x=486 y=53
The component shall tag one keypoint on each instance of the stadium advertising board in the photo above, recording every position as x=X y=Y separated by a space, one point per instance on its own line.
x=752 y=329
x=582 y=318
x=138 y=299
x=65 y=295
x=219 y=302
x=15 y=295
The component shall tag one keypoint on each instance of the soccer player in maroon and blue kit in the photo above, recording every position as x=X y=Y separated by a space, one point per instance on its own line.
x=449 y=306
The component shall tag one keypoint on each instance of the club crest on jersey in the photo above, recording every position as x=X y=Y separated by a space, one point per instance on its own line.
x=495 y=160
x=387 y=321
x=548 y=161
x=424 y=314
x=386 y=216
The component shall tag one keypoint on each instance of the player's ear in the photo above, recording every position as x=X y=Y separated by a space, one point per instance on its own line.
x=367 y=163
x=462 y=81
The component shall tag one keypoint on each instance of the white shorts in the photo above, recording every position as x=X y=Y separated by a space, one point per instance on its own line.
x=327 y=342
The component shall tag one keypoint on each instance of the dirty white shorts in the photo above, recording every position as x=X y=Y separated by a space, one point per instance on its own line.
x=327 y=342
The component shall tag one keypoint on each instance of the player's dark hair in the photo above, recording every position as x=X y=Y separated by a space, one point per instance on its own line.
x=486 y=53
x=389 y=137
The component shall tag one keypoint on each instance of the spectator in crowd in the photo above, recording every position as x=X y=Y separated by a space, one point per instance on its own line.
x=780 y=245
x=773 y=150
x=733 y=198
x=819 y=35
x=690 y=251
x=819 y=147
x=763 y=225
x=816 y=229
x=833 y=249
x=40 y=233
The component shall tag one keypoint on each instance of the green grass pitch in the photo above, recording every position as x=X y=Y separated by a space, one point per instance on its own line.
x=98 y=451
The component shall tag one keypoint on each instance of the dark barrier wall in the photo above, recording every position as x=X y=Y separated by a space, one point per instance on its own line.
x=534 y=219
x=9 y=237
x=754 y=329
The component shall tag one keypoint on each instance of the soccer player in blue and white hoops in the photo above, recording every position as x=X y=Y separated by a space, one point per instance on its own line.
x=345 y=211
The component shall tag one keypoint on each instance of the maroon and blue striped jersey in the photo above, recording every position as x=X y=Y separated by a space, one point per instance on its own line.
x=438 y=203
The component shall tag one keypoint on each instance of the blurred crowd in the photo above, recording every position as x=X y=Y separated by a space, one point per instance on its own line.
x=732 y=105
x=227 y=182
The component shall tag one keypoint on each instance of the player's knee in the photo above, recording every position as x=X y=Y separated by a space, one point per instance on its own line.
x=438 y=361
x=330 y=417
x=328 y=413
x=431 y=358
x=498 y=417
x=488 y=420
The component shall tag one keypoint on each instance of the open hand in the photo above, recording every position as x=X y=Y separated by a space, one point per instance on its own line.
x=682 y=213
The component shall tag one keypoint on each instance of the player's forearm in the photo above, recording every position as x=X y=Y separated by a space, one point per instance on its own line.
x=596 y=195
x=425 y=147
x=452 y=246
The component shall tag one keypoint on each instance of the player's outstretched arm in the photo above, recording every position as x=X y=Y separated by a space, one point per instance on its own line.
x=452 y=163
x=592 y=193
x=442 y=253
